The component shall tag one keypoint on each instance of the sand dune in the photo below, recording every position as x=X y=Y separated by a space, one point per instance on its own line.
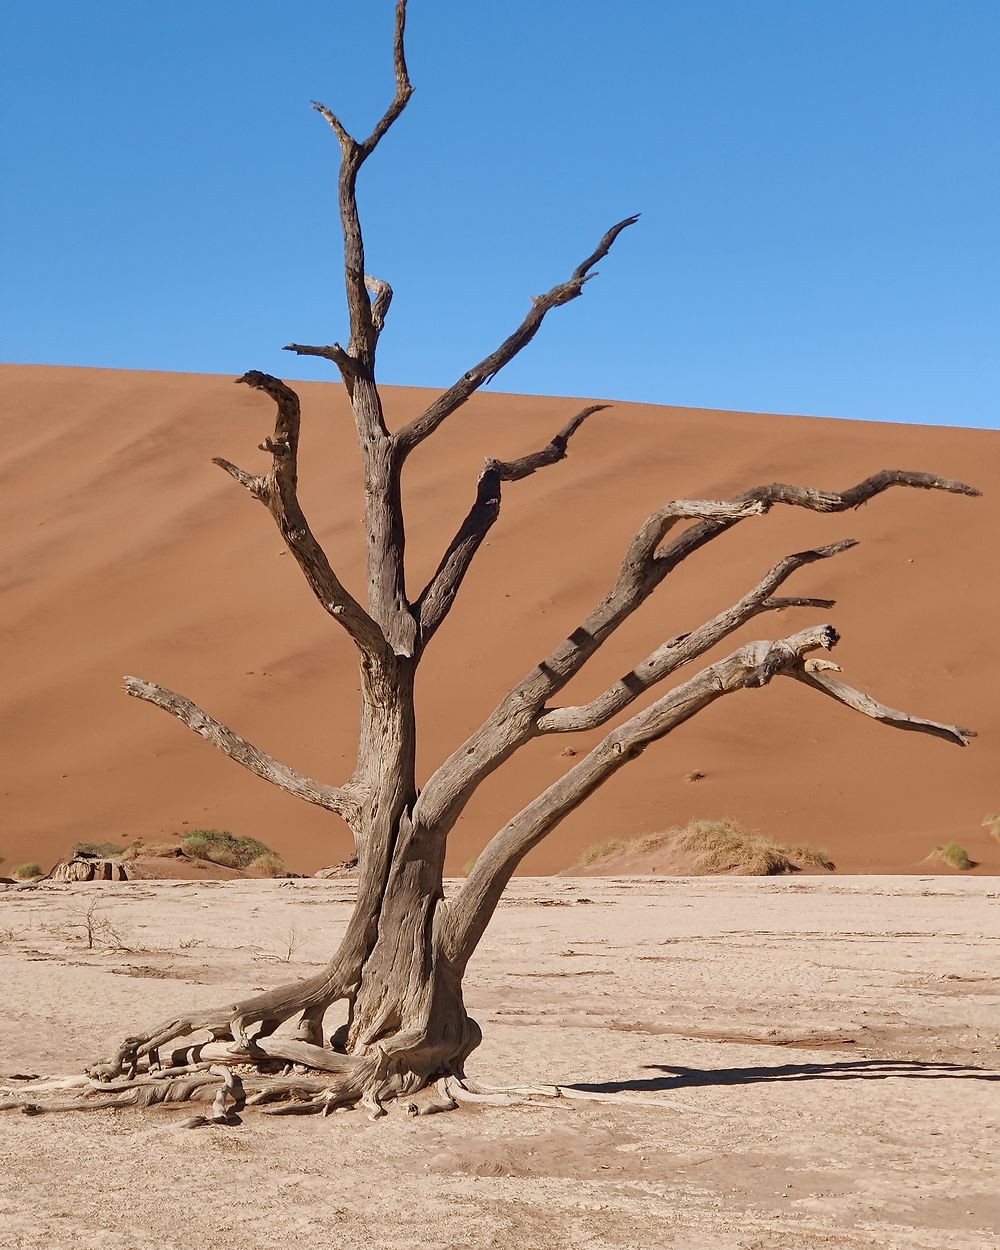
x=127 y=551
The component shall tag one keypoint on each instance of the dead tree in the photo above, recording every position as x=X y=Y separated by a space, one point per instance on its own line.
x=401 y=962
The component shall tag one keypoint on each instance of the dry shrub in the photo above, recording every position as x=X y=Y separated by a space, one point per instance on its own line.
x=650 y=842
x=725 y=846
x=992 y=822
x=268 y=865
x=954 y=856
x=601 y=850
x=24 y=872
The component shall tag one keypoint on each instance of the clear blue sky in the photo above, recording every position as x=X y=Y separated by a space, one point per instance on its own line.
x=818 y=182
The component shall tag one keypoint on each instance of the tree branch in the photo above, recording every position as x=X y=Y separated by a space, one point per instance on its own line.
x=366 y=322
x=858 y=701
x=425 y=425
x=341 y=800
x=278 y=491
x=813 y=500
x=514 y=720
x=669 y=657
x=439 y=594
x=404 y=88
x=753 y=665
x=347 y=365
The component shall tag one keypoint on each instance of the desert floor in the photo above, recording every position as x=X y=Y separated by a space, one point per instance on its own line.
x=821 y=1057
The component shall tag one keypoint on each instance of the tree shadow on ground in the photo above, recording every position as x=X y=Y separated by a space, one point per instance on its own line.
x=840 y=1070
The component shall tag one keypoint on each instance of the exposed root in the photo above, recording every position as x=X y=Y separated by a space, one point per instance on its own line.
x=307 y=999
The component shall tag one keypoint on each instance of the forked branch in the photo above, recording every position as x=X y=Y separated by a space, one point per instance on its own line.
x=278 y=491
x=342 y=800
x=439 y=594
x=366 y=322
x=425 y=425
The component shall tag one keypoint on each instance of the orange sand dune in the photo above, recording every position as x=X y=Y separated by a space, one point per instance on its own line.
x=127 y=551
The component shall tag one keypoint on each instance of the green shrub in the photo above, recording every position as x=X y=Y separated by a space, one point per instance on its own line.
x=220 y=847
x=25 y=871
x=954 y=856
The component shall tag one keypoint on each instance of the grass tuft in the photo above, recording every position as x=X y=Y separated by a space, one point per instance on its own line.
x=25 y=872
x=601 y=850
x=954 y=856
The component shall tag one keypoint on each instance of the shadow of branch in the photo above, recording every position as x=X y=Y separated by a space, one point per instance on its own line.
x=841 y=1070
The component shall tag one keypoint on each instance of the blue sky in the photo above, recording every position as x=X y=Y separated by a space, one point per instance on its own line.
x=818 y=182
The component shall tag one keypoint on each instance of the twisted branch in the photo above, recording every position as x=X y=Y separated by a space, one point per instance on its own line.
x=278 y=491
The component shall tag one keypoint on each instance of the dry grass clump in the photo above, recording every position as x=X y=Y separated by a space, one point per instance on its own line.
x=719 y=846
x=24 y=872
x=953 y=855
x=601 y=850
x=724 y=846
x=649 y=842
x=269 y=864
x=221 y=847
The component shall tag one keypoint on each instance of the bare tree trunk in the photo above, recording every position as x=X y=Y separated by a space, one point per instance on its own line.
x=402 y=959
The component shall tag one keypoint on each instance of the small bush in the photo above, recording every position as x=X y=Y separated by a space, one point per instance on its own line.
x=220 y=847
x=954 y=856
x=601 y=851
x=25 y=871
x=106 y=850
x=269 y=865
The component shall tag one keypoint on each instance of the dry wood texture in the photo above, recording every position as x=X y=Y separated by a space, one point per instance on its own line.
x=401 y=963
